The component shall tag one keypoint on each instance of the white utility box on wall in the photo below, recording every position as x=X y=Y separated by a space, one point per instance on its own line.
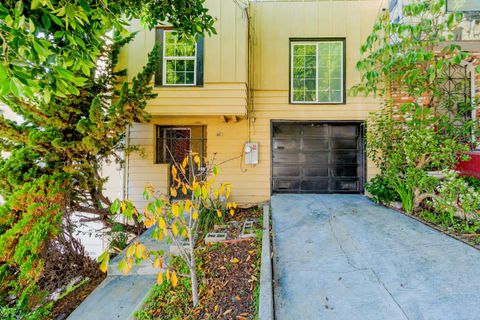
x=251 y=153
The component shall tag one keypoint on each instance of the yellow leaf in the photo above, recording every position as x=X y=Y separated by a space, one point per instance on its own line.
x=168 y=275
x=124 y=206
x=161 y=223
x=185 y=162
x=215 y=193
x=184 y=189
x=232 y=212
x=204 y=192
x=160 y=278
x=235 y=205
x=131 y=250
x=174 y=171
x=229 y=190
x=234 y=260
x=196 y=159
x=104 y=265
x=175 y=210
x=158 y=263
x=174 y=229
x=188 y=204
x=195 y=215
x=127 y=268
x=149 y=222
x=174 y=279
x=216 y=308
x=173 y=192
x=140 y=251
x=184 y=233
x=219 y=213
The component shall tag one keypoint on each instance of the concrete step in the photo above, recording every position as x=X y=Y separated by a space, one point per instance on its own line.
x=117 y=297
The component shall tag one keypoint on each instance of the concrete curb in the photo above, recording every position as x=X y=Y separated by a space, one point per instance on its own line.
x=265 y=309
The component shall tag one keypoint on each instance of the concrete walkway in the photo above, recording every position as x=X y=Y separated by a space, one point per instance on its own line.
x=119 y=296
x=343 y=257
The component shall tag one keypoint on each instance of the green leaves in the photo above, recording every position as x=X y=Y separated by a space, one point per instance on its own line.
x=115 y=207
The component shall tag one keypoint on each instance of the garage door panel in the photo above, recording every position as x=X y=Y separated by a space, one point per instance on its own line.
x=341 y=143
x=344 y=185
x=319 y=157
x=311 y=144
x=345 y=157
x=316 y=130
x=287 y=158
x=290 y=130
x=344 y=171
x=315 y=157
x=287 y=171
x=282 y=185
x=344 y=131
x=315 y=171
x=286 y=144
x=315 y=185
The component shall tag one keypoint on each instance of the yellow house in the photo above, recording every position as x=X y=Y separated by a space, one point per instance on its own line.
x=266 y=98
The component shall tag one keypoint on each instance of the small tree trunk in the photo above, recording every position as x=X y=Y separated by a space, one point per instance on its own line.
x=193 y=275
x=193 y=271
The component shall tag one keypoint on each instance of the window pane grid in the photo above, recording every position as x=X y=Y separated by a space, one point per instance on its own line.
x=179 y=60
x=317 y=72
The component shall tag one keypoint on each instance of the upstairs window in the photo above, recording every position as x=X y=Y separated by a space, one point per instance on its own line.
x=317 y=71
x=182 y=60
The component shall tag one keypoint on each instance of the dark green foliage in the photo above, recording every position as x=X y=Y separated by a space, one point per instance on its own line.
x=473 y=182
x=50 y=46
x=58 y=75
x=381 y=191
x=431 y=131
x=208 y=218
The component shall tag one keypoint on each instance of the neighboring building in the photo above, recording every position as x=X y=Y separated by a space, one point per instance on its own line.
x=467 y=36
x=276 y=75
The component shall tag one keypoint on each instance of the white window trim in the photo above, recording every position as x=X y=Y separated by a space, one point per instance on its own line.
x=317 y=42
x=164 y=64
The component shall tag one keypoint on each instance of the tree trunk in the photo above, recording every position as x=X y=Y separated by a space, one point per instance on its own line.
x=193 y=271
x=193 y=275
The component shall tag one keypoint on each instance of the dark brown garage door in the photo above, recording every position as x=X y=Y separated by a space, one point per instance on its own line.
x=317 y=157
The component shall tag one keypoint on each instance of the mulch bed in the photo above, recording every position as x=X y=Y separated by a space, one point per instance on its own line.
x=231 y=273
x=62 y=308
x=228 y=283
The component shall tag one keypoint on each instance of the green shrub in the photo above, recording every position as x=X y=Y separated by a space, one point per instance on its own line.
x=456 y=198
x=473 y=182
x=381 y=191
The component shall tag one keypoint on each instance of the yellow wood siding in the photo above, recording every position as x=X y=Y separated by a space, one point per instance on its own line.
x=225 y=67
x=273 y=23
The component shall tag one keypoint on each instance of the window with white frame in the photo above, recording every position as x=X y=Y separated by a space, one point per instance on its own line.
x=317 y=71
x=182 y=59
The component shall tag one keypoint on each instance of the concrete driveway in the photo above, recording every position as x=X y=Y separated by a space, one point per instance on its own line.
x=343 y=257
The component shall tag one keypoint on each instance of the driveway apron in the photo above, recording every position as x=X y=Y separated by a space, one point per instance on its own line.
x=344 y=257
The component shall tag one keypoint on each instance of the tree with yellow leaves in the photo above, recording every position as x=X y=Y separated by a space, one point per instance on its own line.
x=175 y=220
